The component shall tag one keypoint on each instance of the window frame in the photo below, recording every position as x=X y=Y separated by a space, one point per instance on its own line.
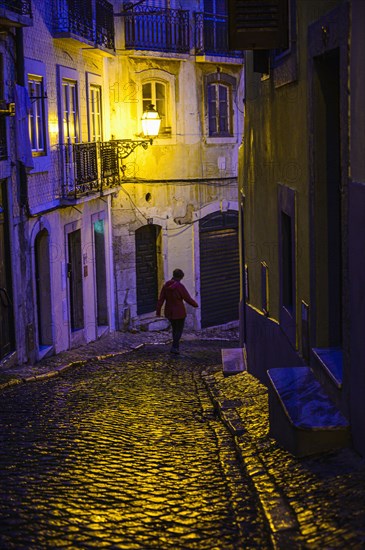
x=34 y=68
x=156 y=102
x=229 y=82
x=287 y=315
x=170 y=82
x=67 y=75
x=94 y=81
x=37 y=124
x=284 y=62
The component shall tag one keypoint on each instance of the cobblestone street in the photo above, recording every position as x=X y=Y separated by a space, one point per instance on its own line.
x=125 y=452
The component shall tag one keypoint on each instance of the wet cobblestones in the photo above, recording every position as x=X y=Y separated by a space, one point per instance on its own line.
x=315 y=502
x=124 y=452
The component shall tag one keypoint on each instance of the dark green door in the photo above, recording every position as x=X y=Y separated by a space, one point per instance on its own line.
x=146 y=268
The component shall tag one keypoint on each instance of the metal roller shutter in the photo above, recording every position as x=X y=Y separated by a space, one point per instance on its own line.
x=219 y=268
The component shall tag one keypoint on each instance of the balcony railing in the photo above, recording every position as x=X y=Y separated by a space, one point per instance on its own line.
x=157 y=29
x=88 y=168
x=20 y=7
x=75 y=17
x=211 y=35
x=104 y=24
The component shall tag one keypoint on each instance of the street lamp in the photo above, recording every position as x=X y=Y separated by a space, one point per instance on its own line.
x=151 y=121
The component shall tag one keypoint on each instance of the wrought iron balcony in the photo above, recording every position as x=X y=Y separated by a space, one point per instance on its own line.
x=157 y=29
x=94 y=167
x=104 y=24
x=88 y=168
x=211 y=35
x=16 y=12
x=74 y=18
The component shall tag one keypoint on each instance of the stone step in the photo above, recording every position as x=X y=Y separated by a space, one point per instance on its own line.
x=234 y=360
x=303 y=418
x=152 y=323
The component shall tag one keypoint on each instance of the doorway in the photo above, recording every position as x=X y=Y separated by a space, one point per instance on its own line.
x=100 y=274
x=219 y=268
x=147 y=238
x=43 y=290
x=327 y=217
x=74 y=273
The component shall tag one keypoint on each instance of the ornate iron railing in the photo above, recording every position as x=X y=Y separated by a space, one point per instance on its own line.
x=157 y=29
x=76 y=17
x=94 y=167
x=21 y=7
x=211 y=35
x=104 y=24
x=88 y=168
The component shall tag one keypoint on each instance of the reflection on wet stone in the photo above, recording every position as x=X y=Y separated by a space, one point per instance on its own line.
x=124 y=453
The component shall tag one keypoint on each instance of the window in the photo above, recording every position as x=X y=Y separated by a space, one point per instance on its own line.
x=36 y=85
x=287 y=261
x=37 y=127
x=265 y=288
x=95 y=113
x=219 y=109
x=215 y=26
x=257 y=24
x=70 y=111
x=156 y=93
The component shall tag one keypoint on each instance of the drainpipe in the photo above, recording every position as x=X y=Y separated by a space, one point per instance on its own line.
x=23 y=181
x=24 y=255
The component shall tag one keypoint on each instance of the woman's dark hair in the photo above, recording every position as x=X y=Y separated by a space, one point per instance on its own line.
x=178 y=274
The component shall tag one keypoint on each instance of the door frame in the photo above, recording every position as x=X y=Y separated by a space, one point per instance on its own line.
x=42 y=225
x=328 y=33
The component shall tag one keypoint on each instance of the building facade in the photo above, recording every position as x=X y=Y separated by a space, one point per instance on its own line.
x=178 y=206
x=93 y=216
x=302 y=204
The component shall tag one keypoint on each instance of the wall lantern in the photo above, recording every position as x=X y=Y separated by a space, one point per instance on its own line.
x=151 y=122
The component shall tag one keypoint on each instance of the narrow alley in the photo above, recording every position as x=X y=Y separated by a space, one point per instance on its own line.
x=124 y=453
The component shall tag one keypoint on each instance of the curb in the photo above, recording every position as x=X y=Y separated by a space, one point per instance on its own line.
x=280 y=516
x=59 y=370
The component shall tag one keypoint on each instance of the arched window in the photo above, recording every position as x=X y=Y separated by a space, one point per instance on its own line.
x=219 y=93
x=219 y=109
x=156 y=92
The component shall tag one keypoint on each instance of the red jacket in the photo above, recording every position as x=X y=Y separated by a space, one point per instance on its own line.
x=174 y=293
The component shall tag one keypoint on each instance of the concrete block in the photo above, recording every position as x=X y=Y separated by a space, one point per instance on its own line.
x=234 y=360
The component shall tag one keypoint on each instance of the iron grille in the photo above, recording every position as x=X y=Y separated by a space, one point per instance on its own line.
x=211 y=34
x=104 y=24
x=90 y=168
x=75 y=16
x=22 y=7
x=157 y=29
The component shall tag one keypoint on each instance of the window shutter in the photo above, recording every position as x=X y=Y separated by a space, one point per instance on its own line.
x=212 y=109
x=223 y=109
x=258 y=24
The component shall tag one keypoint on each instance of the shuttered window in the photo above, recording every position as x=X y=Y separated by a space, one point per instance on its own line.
x=259 y=24
x=219 y=109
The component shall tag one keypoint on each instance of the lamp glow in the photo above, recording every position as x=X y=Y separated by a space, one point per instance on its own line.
x=151 y=121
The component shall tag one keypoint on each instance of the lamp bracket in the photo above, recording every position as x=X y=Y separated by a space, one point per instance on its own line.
x=126 y=146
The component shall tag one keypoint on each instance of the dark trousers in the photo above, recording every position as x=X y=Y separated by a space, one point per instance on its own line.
x=177 y=326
